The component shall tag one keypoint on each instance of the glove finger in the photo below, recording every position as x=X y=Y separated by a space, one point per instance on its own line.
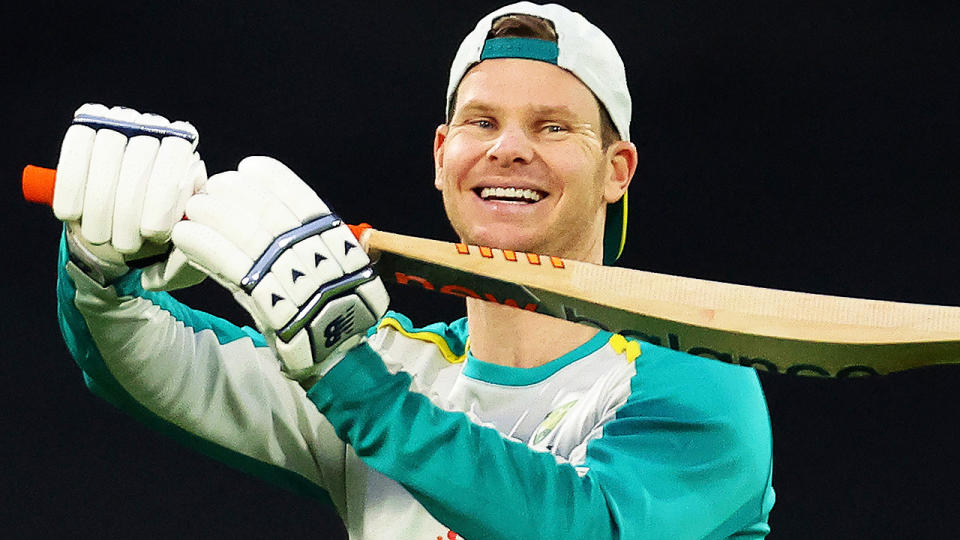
x=299 y=270
x=101 y=189
x=345 y=248
x=274 y=177
x=274 y=214
x=275 y=303
x=131 y=189
x=277 y=178
x=207 y=248
x=174 y=158
x=91 y=109
x=72 y=172
x=375 y=296
x=244 y=192
x=153 y=119
x=231 y=222
x=185 y=130
x=272 y=305
x=317 y=256
x=195 y=178
x=295 y=276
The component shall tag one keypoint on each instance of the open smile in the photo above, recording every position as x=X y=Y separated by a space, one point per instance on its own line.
x=513 y=195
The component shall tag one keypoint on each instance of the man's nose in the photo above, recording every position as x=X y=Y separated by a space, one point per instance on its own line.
x=512 y=145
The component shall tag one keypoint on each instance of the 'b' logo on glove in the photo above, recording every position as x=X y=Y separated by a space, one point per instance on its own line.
x=343 y=324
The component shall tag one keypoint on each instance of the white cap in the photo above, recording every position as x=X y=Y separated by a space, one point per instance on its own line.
x=581 y=48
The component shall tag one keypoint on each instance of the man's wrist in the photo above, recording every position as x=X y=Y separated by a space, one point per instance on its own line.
x=311 y=375
x=358 y=373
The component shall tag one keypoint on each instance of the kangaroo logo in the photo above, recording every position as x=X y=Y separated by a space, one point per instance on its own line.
x=551 y=420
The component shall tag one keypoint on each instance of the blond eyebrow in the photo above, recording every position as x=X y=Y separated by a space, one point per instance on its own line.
x=476 y=107
x=554 y=110
x=539 y=110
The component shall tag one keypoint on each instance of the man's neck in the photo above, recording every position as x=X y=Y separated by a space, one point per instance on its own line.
x=508 y=336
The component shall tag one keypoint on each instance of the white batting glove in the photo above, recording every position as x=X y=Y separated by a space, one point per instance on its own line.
x=294 y=266
x=123 y=180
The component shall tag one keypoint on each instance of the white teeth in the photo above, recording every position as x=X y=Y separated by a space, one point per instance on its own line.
x=509 y=193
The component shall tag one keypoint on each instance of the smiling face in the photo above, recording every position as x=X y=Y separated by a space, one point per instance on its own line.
x=521 y=165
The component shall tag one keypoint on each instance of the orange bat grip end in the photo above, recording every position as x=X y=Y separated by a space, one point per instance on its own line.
x=357 y=230
x=38 y=184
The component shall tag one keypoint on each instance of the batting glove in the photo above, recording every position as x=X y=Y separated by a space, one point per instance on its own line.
x=123 y=180
x=292 y=264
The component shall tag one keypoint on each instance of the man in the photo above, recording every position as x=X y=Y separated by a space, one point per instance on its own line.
x=505 y=424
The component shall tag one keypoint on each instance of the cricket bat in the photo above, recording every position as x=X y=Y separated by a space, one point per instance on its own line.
x=771 y=330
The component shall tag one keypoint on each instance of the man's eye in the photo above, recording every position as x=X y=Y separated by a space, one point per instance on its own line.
x=483 y=123
x=554 y=128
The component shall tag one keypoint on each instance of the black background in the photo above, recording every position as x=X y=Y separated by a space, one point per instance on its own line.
x=807 y=147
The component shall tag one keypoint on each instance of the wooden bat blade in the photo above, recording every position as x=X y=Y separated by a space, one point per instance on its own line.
x=772 y=330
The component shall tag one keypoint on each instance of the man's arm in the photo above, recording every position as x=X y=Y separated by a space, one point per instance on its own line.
x=190 y=375
x=123 y=180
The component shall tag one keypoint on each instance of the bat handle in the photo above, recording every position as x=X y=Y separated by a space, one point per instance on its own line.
x=37 y=184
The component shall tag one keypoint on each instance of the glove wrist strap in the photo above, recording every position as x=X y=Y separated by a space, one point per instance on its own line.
x=98 y=266
x=310 y=376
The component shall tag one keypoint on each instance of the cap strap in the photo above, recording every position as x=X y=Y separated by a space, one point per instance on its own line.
x=516 y=47
x=615 y=231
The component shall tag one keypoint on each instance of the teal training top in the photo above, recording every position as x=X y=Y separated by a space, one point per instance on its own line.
x=411 y=436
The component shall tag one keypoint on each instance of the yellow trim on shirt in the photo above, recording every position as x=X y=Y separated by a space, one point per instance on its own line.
x=430 y=337
x=623 y=345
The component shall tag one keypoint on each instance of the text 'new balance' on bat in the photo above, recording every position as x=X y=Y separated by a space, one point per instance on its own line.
x=772 y=330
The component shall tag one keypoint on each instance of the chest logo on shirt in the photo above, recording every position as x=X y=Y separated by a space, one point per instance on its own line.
x=550 y=421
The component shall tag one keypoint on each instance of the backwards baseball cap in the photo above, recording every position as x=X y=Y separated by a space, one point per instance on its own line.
x=582 y=49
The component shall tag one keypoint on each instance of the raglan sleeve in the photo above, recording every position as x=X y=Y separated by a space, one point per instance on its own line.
x=206 y=382
x=660 y=468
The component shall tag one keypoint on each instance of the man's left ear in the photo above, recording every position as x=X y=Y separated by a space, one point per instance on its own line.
x=621 y=159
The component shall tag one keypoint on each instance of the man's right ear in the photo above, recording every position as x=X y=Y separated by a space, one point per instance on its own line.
x=439 y=136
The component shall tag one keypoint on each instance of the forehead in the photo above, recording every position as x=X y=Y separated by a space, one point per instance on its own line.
x=511 y=83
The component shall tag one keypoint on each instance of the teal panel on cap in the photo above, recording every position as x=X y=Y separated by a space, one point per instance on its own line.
x=516 y=47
